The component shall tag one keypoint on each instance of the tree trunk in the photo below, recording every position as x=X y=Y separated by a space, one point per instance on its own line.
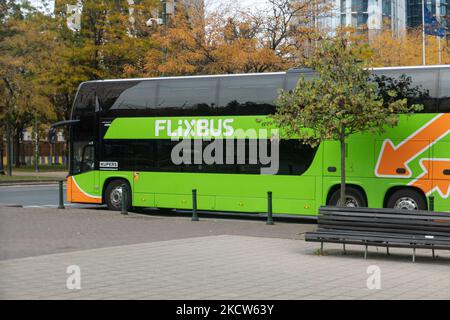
x=342 y=141
x=17 y=148
x=52 y=152
x=1 y=155
x=8 y=151
x=36 y=146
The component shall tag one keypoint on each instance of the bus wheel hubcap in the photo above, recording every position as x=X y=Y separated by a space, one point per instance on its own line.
x=406 y=203
x=116 y=196
x=350 y=202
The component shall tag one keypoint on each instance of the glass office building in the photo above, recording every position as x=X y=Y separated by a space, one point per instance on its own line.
x=374 y=15
x=439 y=8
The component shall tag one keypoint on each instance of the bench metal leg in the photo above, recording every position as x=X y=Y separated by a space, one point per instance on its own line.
x=321 y=248
x=343 y=246
x=414 y=255
x=387 y=251
x=434 y=256
x=365 y=252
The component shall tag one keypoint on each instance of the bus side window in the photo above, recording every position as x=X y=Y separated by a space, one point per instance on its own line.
x=120 y=152
x=249 y=95
x=444 y=105
x=83 y=134
x=295 y=157
x=430 y=105
x=145 y=155
x=186 y=97
x=444 y=88
x=88 y=158
x=118 y=95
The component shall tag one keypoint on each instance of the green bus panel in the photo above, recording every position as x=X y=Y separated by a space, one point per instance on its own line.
x=420 y=144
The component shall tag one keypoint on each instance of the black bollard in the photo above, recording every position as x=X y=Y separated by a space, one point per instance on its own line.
x=431 y=207
x=123 y=200
x=194 y=205
x=269 y=209
x=61 y=195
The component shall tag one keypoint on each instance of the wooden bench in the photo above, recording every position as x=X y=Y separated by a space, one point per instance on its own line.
x=383 y=228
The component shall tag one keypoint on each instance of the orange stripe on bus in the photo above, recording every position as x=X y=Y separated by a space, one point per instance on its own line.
x=75 y=194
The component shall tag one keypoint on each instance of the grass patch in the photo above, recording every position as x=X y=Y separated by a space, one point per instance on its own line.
x=319 y=252
x=42 y=168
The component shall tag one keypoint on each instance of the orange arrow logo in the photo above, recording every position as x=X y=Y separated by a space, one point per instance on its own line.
x=440 y=181
x=392 y=157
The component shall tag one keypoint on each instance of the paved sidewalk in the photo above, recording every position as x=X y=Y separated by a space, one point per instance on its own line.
x=161 y=257
x=37 y=231
x=223 y=267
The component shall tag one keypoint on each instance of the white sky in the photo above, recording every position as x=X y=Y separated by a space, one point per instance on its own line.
x=250 y=4
x=245 y=4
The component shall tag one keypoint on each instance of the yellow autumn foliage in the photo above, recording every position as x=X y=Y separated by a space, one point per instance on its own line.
x=389 y=50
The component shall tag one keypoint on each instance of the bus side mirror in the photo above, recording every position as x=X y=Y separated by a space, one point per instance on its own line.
x=52 y=135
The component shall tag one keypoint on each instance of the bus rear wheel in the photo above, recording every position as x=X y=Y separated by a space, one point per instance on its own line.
x=354 y=198
x=407 y=199
x=113 y=194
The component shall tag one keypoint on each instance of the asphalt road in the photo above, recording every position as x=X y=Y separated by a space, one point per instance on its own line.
x=31 y=195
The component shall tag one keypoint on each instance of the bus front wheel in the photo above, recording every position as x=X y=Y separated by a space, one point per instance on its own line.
x=113 y=194
x=354 y=198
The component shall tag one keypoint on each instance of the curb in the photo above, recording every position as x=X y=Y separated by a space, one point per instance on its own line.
x=28 y=183
x=10 y=205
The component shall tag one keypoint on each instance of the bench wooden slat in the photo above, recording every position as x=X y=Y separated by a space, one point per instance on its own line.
x=351 y=220
x=382 y=211
x=428 y=217
x=383 y=226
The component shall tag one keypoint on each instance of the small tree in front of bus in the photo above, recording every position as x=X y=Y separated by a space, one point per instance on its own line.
x=339 y=101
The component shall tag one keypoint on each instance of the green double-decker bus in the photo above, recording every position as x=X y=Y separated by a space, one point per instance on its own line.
x=123 y=134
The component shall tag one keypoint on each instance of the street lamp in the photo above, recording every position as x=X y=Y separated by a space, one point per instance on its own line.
x=151 y=21
x=424 y=59
x=168 y=8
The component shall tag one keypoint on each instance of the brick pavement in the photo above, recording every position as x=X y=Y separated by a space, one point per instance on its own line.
x=37 y=231
x=223 y=267
x=213 y=259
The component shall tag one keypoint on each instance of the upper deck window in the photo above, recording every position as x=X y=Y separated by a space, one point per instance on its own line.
x=140 y=95
x=249 y=90
x=85 y=98
x=120 y=95
x=250 y=95
x=444 y=91
x=187 y=93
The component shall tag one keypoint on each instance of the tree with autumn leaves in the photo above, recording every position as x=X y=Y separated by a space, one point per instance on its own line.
x=342 y=100
x=391 y=50
x=25 y=43
x=227 y=40
x=42 y=60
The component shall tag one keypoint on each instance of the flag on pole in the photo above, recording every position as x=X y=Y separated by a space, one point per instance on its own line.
x=432 y=26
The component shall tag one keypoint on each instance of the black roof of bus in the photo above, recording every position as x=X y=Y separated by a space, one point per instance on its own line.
x=407 y=69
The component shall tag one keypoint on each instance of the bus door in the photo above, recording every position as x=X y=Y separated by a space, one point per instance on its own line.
x=83 y=183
